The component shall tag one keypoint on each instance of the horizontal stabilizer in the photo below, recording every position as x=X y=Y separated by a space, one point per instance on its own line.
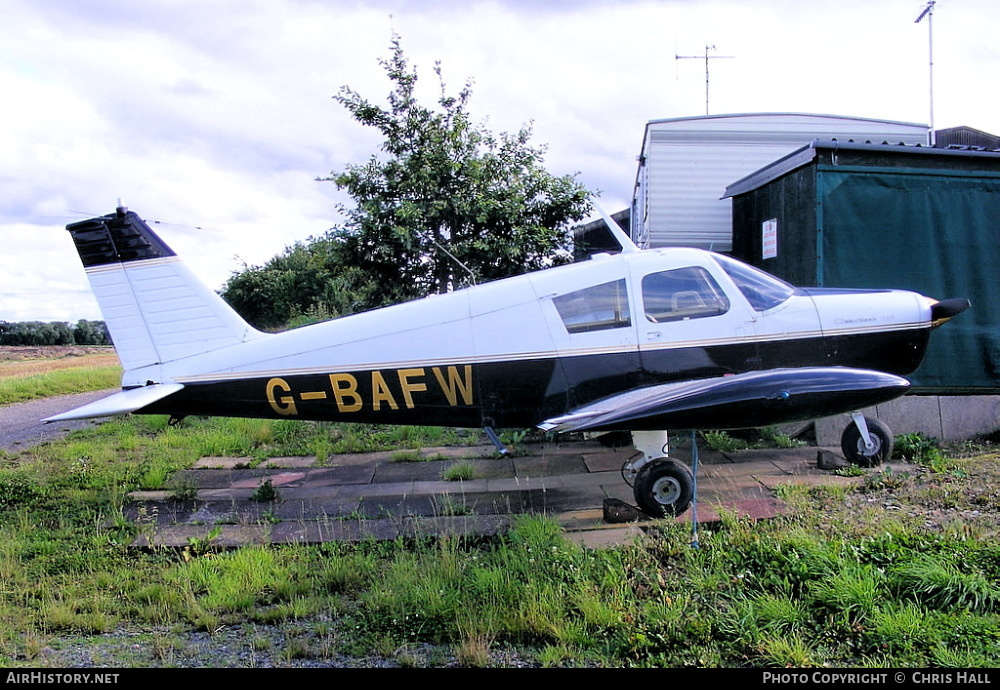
x=753 y=399
x=120 y=403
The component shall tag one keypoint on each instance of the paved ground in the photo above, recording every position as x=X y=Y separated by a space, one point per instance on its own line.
x=368 y=495
x=21 y=424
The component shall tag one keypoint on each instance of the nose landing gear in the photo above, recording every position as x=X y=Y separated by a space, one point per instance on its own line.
x=866 y=442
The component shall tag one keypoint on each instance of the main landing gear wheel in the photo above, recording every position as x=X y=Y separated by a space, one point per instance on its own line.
x=664 y=488
x=852 y=442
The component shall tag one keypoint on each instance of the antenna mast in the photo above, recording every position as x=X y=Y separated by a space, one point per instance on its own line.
x=706 y=57
x=929 y=13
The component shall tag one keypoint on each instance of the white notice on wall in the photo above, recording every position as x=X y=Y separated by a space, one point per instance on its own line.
x=769 y=231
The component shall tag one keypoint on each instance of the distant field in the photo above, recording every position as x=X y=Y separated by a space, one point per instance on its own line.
x=27 y=373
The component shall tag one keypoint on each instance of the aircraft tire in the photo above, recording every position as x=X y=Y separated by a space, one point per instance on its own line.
x=664 y=488
x=853 y=445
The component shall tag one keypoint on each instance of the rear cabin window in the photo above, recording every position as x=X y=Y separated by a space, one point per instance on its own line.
x=682 y=293
x=596 y=308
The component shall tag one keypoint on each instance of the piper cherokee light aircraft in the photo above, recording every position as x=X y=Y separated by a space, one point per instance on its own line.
x=644 y=341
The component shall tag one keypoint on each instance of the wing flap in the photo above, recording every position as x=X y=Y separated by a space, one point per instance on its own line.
x=751 y=399
x=120 y=403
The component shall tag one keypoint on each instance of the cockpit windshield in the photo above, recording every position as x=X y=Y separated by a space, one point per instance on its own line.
x=761 y=289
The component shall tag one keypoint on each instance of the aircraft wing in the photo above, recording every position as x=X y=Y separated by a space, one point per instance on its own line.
x=127 y=401
x=751 y=399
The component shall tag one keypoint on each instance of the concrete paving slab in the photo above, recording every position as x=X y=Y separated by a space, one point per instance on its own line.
x=710 y=511
x=472 y=504
x=204 y=478
x=289 y=462
x=548 y=465
x=225 y=495
x=487 y=452
x=354 y=530
x=367 y=496
x=308 y=492
x=339 y=476
x=443 y=487
x=402 y=505
x=277 y=479
x=375 y=489
x=152 y=511
x=226 y=463
x=618 y=490
x=316 y=509
x=606 y=461
x=725 y=472
x=410 y=471
x=351 y=459
x=184 y=535
x=487 y=469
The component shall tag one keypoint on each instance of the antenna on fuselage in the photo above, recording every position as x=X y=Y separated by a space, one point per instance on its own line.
x=472 y=276
x=623 y=239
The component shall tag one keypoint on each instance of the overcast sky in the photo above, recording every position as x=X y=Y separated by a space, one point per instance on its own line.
x=214 y=118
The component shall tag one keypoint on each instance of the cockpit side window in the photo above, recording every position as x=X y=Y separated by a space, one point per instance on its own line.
x=595 y=308
x=682 y=293
x=762 y=290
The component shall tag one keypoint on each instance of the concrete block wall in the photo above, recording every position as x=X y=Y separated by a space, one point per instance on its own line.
x=946 y=418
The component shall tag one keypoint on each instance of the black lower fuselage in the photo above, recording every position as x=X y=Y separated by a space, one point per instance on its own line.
x=520 y=393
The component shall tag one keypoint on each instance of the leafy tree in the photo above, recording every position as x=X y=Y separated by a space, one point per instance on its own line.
x=90 y=333
x=36 y=333
x=445 y=203
x=307 y=282
x=53 y=333
x=447 y=197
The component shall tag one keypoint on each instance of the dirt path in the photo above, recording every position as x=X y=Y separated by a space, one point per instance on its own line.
x=21 y=424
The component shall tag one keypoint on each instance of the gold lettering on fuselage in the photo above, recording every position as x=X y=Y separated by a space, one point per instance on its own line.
x=410 y=388
x=345 y=388
x=381 y=393
x=388 y=389
x=285 y=405
x=455 y=385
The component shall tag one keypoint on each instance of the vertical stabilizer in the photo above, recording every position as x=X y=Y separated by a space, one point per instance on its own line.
x=156 y=310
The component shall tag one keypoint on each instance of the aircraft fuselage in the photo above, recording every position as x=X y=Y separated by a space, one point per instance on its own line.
x=524 y=349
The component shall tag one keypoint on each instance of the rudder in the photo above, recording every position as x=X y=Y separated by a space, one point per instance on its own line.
x=155 y=309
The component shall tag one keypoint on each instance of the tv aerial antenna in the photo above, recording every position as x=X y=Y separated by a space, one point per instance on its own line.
x=928 y=12
x=706 y=57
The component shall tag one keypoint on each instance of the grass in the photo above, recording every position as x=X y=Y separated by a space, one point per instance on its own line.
x=20 y=384
x=765 y=437
x=838 y=581
x=461 y=471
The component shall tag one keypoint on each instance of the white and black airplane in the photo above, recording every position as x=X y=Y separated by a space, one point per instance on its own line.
x=641 y=341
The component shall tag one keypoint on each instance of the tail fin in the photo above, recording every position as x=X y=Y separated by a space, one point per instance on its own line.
x=155 y=309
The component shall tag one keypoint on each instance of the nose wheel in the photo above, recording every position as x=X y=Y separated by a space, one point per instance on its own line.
x=866 y=442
